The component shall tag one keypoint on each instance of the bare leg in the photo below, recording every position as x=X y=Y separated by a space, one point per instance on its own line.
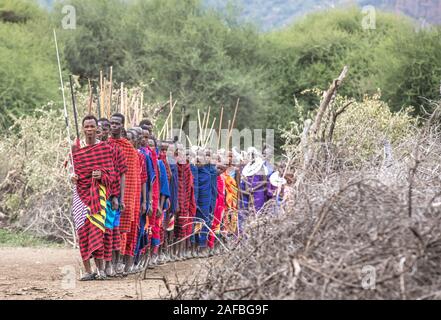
x=97 y=264
x=87 y=266
x=100 y=266
x=88 y=275
x=194 y=250
x=129 y=263
x=109 y=269
x=188 y=249
x=180 y=250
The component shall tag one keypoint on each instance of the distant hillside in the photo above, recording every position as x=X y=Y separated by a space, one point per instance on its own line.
x=270 y=14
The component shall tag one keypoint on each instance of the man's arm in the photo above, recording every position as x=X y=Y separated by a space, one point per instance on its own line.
x=122 y=191
x=150 y=200
x=161 y=206
x=144 y=199
x=74 y=179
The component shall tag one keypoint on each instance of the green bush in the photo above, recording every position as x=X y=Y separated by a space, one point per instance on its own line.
x=28 y=74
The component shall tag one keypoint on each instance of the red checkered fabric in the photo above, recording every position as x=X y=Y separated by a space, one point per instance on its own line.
x=132 y=235
x=155 y=193
x=130 y=239
x=116 y=239
x=132 y=183
x=143 y=168
x=185 y=214
x=86 y=160
x=192 y=207
x=163 y=156
x=218 y=211
x=120 y=164
x=123 y=243
x=108 y=244
x=91 y=241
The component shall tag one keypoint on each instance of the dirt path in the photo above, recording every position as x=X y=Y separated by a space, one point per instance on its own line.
x=52 y=273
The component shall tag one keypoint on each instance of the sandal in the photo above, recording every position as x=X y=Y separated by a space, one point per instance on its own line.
x=119 y=269
x=88 y=277
x=110 y=272
x=101 y=275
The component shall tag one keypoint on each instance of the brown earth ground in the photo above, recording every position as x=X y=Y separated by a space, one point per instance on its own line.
x=53 y=273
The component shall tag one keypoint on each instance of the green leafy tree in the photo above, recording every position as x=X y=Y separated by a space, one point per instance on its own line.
x=28 y=74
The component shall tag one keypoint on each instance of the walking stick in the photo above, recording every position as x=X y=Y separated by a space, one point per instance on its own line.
x=64 y=103
x=220 y=127
x=89 y=109
x=98 y=102
x=74 y=108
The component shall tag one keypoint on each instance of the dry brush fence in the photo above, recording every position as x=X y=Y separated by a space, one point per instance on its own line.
x=356 y=226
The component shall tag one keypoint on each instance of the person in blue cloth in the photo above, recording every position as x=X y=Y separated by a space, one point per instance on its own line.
x=194 y=171
x=164 y=205
x=207 y=181
x=171 y=218
x=143 y=237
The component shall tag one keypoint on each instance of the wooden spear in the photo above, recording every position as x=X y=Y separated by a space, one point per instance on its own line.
x=166 y=132
x=220 y=127
x=104 y=97
x=102 y=102
x=171 y=111
x=168 y=117
x=126 y=98
x=228 y=136
x=121 y=103
x=89 y=108
x=200 y=128
x=209 y=135
x=230 y=131
x=141 y=107
x=188 y=139
x=234 y=117
x=111 y=92
x=182 y=124
x=203 y=127
x=206 y=124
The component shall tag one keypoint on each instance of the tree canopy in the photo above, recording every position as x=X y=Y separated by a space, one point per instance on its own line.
x=207 y=58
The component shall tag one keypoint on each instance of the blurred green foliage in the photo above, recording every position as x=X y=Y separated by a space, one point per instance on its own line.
x=28 y=75
x=207 y=58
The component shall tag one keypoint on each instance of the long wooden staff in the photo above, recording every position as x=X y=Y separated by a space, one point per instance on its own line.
x=126 y=99
x=101 y=93
x=230 y=131
x=228 y=139
x=66 y=119
x=121 y=102
x=182 y=124
x=109 y=110
x=209 y=135
x=89 y=109
x=200 y=128
x=74 y=107
x=188 y=139
x=141 y=107
x=206 y=124
x=99 y=102
x=203 y=128
x=171 y=117
x=104 y=93
x=168 y=117
x=220 y=127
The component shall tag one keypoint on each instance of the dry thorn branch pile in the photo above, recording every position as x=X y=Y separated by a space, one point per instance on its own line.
x=319 y=245
x=348 y=230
